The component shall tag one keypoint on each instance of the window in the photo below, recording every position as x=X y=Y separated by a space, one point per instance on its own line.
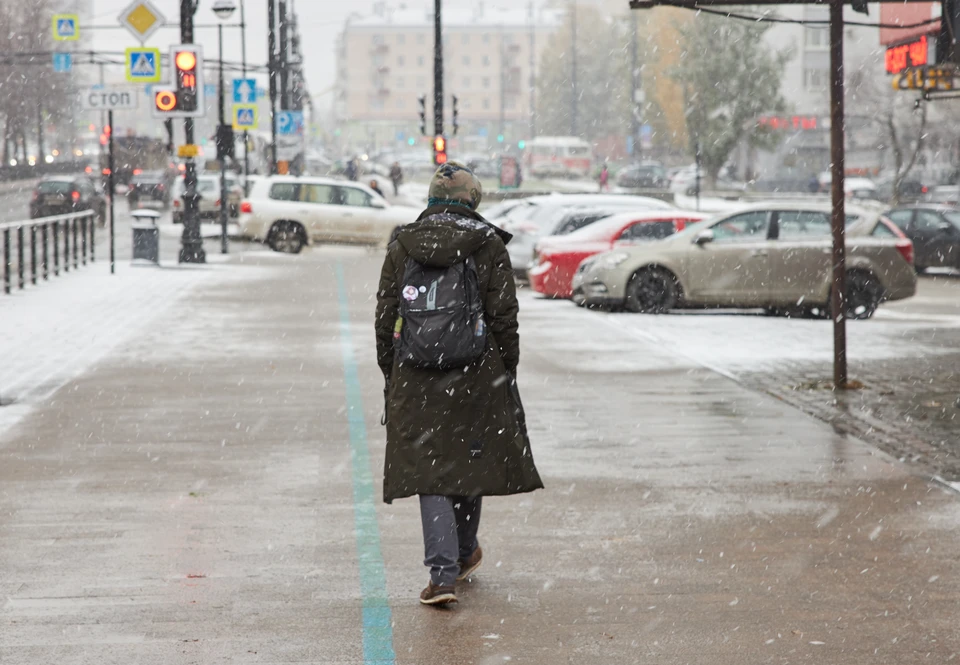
x=317 y=194
x=486 y=39
x=466 y=82
x=401 y=61
x=953 y=218
x=578 y=222
x=900 y=217
x=643 y=231
x=748 y=227
x=55 y=187
x=816 y=38
x=486 y=82
x=350 y=196
x=283 y=191
x=883 y=228
x=814 y=78
x=419 y=61
x=466 y=60
x=486 y=104
x=927 y=221
x=803 y=225
x=377 y=39
x=399 y=82
x=400 y=104
x=465 y=39
x=421 y=38
x=401 y=39
x=486 y=61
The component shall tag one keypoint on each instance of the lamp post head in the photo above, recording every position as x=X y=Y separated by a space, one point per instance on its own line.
x=224 y=9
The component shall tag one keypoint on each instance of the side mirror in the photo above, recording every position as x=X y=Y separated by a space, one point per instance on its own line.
x=947 y=227
x=704 y=237
x=378 y=203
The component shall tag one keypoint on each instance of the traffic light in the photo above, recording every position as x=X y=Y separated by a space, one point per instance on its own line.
x=499 y=138
x=456 y=114
x=183 y=98
x=422 y=100
x=439 y=150
x=521 y=144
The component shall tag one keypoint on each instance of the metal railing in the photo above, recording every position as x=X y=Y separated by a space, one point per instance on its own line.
x=75 y=233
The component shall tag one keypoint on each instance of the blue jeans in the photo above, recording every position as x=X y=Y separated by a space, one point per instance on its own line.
x=450 y=526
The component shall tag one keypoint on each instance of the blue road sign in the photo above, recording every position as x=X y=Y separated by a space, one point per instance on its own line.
x=62 y=63
x=143 y=65
x=66 y=27
x=244 y=91
x=245 y=117
x=290 y=123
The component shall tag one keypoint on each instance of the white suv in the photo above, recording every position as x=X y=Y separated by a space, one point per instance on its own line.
x=288 y=212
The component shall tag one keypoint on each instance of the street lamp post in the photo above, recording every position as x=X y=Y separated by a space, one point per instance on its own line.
x=223 y=9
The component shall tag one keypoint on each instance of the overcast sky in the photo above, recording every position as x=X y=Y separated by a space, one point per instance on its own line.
x=321 y=22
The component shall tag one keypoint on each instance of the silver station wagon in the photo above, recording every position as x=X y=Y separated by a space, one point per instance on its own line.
x=772 y=256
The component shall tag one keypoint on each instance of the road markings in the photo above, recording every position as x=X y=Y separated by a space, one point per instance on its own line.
x=377 y=624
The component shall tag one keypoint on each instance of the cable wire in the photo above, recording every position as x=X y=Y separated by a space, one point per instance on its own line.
x=775 y=19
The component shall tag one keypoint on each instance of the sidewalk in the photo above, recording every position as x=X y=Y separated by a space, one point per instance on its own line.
x=205 y=489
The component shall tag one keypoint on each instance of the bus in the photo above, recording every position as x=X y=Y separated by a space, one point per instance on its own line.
x=565 y=156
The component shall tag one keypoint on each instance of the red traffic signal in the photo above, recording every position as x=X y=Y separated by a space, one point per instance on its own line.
x=439 y=150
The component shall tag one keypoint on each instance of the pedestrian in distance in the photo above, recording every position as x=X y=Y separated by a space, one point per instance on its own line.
x=376 y=187
x=351 y=170
x=396 y=177
x=448 y=346
x=604 y=178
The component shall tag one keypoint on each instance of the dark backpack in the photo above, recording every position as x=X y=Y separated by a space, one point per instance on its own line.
x=440 y=324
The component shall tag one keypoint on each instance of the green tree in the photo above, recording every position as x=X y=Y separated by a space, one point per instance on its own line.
x=602 y=77
x=729 y=78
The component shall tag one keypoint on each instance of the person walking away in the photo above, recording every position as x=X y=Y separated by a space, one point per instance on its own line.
x=396 y=177
x=447 y=343
x=351 y=169
x=376 y=187
x=604 y=178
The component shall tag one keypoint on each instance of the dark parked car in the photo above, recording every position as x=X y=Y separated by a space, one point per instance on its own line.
x=935 y=232
x=148 y=191
x=652 y=176
x=60 y=195
x=910 y=190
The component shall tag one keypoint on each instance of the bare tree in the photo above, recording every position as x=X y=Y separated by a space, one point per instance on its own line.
x=901 y=117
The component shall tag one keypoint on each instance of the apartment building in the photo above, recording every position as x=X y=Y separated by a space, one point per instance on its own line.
x=385 y=62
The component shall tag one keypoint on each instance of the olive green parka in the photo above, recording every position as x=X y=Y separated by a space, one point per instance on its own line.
x=457 y=432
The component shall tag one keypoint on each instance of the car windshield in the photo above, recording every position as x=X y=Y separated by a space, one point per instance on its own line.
x=55 y=187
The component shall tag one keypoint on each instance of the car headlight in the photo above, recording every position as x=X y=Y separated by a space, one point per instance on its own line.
x=614 y=259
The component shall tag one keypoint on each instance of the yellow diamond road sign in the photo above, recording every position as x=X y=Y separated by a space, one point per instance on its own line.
x=142 y=19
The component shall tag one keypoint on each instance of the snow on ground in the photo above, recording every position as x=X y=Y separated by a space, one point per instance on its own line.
x=55 y=332
x=732 y=343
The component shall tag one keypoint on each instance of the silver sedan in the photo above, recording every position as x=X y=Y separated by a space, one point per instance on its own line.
x=776 y=257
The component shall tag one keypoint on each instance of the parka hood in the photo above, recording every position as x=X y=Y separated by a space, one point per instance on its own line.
x=444 y=235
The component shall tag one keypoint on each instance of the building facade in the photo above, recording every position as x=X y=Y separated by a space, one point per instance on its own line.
x=385 y=63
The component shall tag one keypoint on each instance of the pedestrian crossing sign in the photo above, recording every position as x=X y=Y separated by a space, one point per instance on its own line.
x=143 y=65
x=245 y=117
x=66 y=27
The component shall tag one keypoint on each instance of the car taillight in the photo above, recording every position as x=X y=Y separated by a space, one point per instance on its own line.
x=246 y=207
x=36 y=195
x=137 y=171
x=160 y=187
x=106 y=172
x=75 y=195
x=217 y=203
x=924 y=189
x=176 y=203
x=905 y=247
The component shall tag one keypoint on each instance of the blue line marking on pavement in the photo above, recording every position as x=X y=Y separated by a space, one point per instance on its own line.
x=377 y=621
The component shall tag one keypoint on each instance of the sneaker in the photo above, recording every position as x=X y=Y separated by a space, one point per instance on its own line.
x=438 y=595
x=469 y=565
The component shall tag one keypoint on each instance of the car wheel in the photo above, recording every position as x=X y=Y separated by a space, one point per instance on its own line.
x=579 y=298
x=287 y=238
x=864 y=294
x=691 y=191
x=652 y=291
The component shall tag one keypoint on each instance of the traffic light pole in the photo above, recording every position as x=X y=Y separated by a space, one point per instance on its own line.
x=224 y=244
x=272 y=76
x=191 y=244
x=437 y=72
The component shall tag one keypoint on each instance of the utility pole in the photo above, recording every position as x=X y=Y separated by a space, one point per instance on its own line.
x=191 y=244
x=272 y=75
x=437 y=71
x=837 y=221
x=636 y=95
x=284 y=63
x=503 y=86
x=246 y=134
x=573 y=68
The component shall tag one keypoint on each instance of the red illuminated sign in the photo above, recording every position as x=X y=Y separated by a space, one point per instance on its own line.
x=911 y=54
x=801 y=122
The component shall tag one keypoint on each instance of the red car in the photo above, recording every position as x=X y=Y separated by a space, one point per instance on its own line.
x=558 y=257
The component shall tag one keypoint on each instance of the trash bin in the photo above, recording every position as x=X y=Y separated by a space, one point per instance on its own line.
x=146 y=237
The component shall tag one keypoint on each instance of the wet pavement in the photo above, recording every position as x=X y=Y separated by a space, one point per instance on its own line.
x=208 y=491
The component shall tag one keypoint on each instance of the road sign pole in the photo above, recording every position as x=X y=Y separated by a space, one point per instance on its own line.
x=243 y=66
x=191 y=244
x=111 y=184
